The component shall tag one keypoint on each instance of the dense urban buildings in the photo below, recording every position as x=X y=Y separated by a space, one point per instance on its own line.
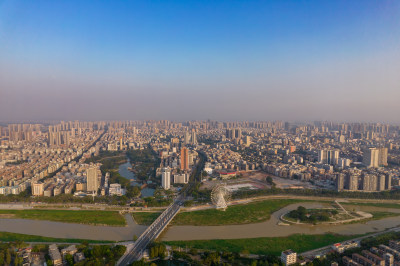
x=52 y=160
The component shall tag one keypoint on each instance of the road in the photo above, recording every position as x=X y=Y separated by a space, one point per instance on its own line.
x=151 y=233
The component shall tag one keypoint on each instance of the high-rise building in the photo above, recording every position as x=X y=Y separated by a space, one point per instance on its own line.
x=186 y=139
x=235 y=133
x=238 y=133
x=229 y=133
x=121 y=144
x=166 y=178
x=369 y=182
x=193 y=138
x=353 y=182
x=328 y=156
x=383 y=155
x=287 y=126
x=375 y=157
x=37 y=189
x=388 y=183
x=248 y=141
x=92 y=180
x=340 y=178
x=184 y=159
x=371 y=157
x=381 y=183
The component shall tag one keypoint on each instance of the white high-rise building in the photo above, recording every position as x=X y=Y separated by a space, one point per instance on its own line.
x=166 y=178
x=92 y=179
x=375 y=157
x=186 y=139
x=193 y=139
x=37 y=189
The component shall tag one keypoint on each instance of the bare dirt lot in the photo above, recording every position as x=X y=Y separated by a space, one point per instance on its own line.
x=255 y=179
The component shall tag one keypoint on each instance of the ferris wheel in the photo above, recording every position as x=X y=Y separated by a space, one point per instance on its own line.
x=220 y=196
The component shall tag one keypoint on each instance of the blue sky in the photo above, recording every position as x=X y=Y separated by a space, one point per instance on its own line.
x=225 y=60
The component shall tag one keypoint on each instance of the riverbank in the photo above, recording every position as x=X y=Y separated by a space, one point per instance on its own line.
x=273 y=227
x=256 y=229
x=73 y=231
x=264 y=245
x=112 y=218
x=9 y=237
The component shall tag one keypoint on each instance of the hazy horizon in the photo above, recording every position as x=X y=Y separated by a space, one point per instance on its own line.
x=189 y=60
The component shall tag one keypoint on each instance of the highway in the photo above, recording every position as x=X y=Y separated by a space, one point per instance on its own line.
x=151 y=233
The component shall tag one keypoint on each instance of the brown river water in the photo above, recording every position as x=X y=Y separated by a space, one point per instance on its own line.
x=75 y=231
x=268 y=228
x=271 y=228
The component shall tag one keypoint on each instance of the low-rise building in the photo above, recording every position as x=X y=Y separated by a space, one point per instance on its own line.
x=55 y=255
x=288 y=257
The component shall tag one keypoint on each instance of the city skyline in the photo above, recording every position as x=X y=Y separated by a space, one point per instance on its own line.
x=214 y=132
x=179 y=60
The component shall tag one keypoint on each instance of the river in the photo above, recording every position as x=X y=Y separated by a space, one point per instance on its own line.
x=271 y=228
x=124 y=171
x=268 y=228
x=74 y=231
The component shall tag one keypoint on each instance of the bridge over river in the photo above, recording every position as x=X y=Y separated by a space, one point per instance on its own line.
x=152 y=232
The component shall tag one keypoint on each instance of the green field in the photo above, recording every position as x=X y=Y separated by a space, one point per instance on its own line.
x=265 y=245
x=67 y=216
x=381 y=215
x=145 y=218
x=8 y=237
x=380 y=205
x=254 y=212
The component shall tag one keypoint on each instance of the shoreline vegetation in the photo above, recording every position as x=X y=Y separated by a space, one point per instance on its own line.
x=253 y=212
x=108 y=218
x=10 y=237
x=265 y=245
x=144 y=164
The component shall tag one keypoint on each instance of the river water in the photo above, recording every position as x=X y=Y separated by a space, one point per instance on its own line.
x=123 y=171
x=271 y=228
x=75 y=231
x=268 y=228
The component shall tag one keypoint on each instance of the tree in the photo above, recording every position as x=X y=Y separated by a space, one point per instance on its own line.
x=69 y=259
x=18 y=261
x=188 y=203
x=245 y=252
x=119 y=250
x=8 y=257
x=193 y=251
x=96 y=251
